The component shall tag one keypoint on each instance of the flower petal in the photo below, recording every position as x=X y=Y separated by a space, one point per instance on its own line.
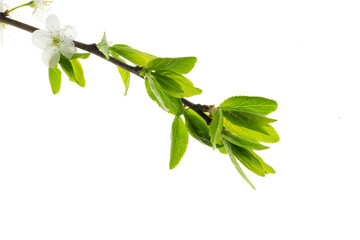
x=40 y=14
x=67 y=48
x=41 y=39
x=52 y=24
x=51 y=57
x=69 y=32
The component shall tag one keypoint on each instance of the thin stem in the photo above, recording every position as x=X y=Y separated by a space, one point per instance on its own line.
x=92 y=48
x=24 y=5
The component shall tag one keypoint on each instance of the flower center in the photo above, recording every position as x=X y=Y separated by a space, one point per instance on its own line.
x=56 y=41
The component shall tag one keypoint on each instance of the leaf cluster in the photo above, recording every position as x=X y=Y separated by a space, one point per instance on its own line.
x=72 y=68
x=239 y=125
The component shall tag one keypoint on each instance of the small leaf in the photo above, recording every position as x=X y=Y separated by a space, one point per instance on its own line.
x=179 y=141
x=216 y=127
x=55 y=79
x=197 y=127
x=270 y=137
x=135 y=56
x=180 y=65
x=248 y=159
x=185 y=83
x=67 y=67
x=80 y=55
x=168 y=103
x=249 y=120
x=170 y=86
x=125 y=75
x=79 y=72
x=242 y=142
x=73 y=70
x=258 y=105
x=228 y=147
x=104 y=47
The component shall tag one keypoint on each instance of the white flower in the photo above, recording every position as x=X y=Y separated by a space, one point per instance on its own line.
x=55 y=41
x=41 y=9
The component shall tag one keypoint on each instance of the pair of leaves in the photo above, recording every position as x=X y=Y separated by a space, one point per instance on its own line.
x=167 y=102
x=245 y=117
x=249 y=159
x=165 y=83
x=72 y=69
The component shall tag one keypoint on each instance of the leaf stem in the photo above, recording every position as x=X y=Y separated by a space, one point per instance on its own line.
x=92 y=48
x=23 y=5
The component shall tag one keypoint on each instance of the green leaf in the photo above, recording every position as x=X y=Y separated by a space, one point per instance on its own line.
x=80 y=55
x=180 y=65
x=270 y=137
x=170 y=86
x=168 y=103
x=248 y=159
x=242 y=142
x=125 y=75
x=216 y=127
x=197 y=127
x=104 y=47
x=73 y=70
x=258 y=105
x=135 y=56
x=249 y=120
x=66 y=66
x=179 y=141
x=55 y=79
x=78 y=72
x=185 y=83
x=228 y=147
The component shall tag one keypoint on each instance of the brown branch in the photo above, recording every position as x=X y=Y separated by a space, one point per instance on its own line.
x=92 y=48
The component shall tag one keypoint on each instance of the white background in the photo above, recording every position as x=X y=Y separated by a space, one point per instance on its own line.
x=93 y=164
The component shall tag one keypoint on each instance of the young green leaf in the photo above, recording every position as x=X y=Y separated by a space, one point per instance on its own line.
x=249 y=120
x=197 y=127
x=241 y=142
x=216 y=127
x=135 y=56
x=73 y=70
x=258 y=105
x=270 y=137
x=186 y=84
x=179 y=141
x=104 y=47
x=125 y=75
x=168 y=103
x=228 y=147
x=55 y=79
x=80 y=55
x=248 y=159
x=78 y=72
x=180 y=65
x=169 y=86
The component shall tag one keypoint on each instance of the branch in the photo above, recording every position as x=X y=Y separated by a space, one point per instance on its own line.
x=92 y=48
